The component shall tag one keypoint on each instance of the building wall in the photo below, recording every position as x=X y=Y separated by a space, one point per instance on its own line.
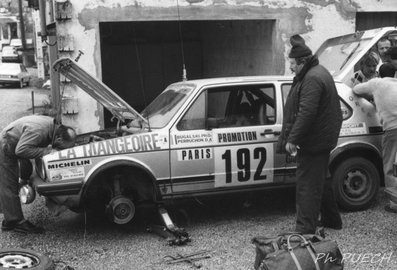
x=315 y=20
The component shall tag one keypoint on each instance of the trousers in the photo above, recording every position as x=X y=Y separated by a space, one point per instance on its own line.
x=311 y=173
x=9 y=183
x=389 y=150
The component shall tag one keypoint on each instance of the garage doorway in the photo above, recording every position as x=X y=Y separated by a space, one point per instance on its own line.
x=139 y=59
x=371 y=20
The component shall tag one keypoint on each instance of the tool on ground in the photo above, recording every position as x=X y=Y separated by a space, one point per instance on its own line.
x=172 y=233
x=191 y=258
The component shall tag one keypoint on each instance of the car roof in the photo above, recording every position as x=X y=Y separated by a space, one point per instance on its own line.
x=239 y=79
x=10 y=64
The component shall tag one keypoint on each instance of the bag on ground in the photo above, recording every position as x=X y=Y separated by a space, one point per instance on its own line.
x=296 y=251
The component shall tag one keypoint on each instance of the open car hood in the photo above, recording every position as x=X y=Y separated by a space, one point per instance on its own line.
x=96 y=89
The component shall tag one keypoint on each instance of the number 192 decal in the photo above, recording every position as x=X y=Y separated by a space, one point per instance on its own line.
x=243 y=166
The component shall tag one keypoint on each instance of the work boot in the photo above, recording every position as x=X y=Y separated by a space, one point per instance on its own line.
x=8 y=225
x=23 y=226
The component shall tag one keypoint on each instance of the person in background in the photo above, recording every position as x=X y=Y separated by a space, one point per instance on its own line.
x=381 y=47
x=26 y=138
x=311 y=126
x=384 y=93
x=367 y=70
x=392 y=55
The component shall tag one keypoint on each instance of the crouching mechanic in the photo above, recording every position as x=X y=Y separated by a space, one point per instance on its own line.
x=26 y=138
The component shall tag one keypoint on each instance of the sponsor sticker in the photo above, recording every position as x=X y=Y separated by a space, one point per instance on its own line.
x=244 y=136
x=119 y=145
x=68 y=164
x=349 y=129
x=193 y=138
x=66 y=174
x=194 y=154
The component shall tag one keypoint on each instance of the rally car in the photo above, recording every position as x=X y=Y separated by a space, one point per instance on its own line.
x=210 y=137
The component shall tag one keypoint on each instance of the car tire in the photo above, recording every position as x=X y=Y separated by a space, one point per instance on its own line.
x=18 y=258
x=356 y=183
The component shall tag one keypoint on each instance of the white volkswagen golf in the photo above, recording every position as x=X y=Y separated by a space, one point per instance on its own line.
x=210 y=137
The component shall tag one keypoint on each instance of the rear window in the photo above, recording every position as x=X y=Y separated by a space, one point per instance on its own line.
x=347 y=111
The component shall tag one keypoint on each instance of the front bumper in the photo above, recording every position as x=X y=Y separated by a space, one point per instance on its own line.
x=9 y=80
x=60 y=188
x=10 y=58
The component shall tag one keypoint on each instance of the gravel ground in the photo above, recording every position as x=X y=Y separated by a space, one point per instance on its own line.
x=224 y=228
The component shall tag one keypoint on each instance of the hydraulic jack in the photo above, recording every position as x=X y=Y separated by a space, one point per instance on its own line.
x=173 y=234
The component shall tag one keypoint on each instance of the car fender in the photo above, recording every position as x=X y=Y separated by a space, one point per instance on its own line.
x=117 y=161
x=357 y=146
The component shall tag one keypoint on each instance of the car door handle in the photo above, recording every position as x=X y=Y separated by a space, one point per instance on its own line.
x=270 y=131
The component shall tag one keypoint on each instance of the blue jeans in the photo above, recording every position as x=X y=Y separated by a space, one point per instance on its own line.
x=389 y=150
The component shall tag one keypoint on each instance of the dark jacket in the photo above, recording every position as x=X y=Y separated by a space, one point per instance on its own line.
x=312 y=113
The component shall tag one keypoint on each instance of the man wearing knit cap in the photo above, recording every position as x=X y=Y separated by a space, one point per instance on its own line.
x=311 y=125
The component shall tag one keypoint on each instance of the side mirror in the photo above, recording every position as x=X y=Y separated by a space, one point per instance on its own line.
x=212 y=123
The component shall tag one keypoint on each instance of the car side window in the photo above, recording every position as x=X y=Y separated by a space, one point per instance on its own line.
x=231 y=106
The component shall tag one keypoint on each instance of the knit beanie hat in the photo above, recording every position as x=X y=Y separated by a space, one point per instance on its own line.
x=299 y=48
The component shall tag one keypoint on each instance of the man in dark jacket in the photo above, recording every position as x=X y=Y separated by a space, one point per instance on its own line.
x=311 y=125
x=26 y=138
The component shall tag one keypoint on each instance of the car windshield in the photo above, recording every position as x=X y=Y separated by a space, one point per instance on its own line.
x=335 y=54
x=164 y=107
x=9 y=68
x=16 y=42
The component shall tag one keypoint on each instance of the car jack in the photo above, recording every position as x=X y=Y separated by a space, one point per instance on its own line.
x=173 y=234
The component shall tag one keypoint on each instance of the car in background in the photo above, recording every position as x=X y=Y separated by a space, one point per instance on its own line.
x=188 y=142
x=16 y=43
x=14 y=73
x=10 y=54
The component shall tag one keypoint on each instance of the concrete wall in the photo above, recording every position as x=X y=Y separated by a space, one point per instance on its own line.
x=315 y=20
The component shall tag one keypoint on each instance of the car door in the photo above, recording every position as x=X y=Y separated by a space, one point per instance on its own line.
x=191 y=155
x=244 y=151
x=290 y=162
x=215 y=149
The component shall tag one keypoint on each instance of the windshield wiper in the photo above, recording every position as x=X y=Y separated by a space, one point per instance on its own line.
x=350 y=55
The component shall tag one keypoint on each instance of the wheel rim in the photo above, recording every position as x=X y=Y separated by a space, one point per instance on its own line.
x=356 y=185
x=122 y=209
x=15 y=260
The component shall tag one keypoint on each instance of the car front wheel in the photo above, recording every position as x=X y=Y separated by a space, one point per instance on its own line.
x=356 y=183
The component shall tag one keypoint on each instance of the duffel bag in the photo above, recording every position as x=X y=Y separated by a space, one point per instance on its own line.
x=295 y=251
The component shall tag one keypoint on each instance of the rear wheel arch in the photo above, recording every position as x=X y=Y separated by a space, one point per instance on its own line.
x=363 y=150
